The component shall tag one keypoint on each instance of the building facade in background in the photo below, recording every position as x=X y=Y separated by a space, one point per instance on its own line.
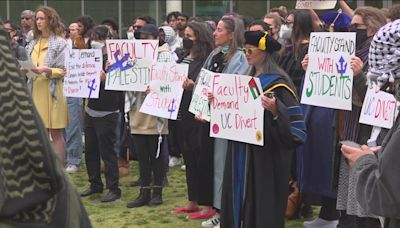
x=124 y=11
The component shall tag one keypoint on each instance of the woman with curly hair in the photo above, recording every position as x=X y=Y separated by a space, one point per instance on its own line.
x=47 y=53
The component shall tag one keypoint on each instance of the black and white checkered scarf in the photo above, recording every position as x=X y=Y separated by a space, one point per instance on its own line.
x=384 y=55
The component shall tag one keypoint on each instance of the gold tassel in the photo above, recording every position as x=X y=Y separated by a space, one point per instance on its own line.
x=262 y=44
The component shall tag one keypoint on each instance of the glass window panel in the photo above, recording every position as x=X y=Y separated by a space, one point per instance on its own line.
x=254 y=9
x=374 y=3
x=100 y=10
x=68 y=10
x=3 y=10
x=133 y=9
x=213 y=9
x=16 y=7
x=187 y=7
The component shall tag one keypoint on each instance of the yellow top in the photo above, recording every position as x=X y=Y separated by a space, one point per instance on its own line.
x=54 y=113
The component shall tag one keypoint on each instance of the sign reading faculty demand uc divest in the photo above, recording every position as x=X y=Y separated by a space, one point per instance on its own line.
x=166 y=90
x=236 y=110
x=83 y=73
x=130 y=64
x=328 y=81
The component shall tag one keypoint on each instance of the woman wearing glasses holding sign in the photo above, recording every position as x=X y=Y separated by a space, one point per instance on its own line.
x=264 y=169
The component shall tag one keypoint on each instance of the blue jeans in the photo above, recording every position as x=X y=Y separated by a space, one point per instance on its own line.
x=73 y=133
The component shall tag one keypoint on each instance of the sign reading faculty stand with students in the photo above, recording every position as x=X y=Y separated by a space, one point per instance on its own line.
x=328 y=81
x=166 y=90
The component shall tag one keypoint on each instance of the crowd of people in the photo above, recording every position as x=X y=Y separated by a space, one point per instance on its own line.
x=229 y=184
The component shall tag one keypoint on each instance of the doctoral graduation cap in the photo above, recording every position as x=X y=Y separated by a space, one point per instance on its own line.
x=336 y=19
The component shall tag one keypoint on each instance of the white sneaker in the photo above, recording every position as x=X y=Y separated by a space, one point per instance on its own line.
x=212 y=222
x=72 y=169
x=320 y=223
x=217 y=226
x=183 y=167
x=174 y=161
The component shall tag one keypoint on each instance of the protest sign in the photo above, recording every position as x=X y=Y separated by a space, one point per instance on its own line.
x=379 y=109
x=83 y=73
x=166 y=90
x=236 y=110
x=199 y=104
x=315 y=4
x=328 y=81
x=130 y=63
x=28 y=65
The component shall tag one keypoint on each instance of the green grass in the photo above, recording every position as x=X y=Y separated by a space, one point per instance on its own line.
x=117 y=215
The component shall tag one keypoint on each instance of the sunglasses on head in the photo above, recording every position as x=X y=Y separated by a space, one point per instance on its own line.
x=249 y=50
x=25 y=18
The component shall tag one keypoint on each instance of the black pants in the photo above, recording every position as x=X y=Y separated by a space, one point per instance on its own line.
x=173 y=139
x=198 y=153
x=328 y=210
x=100 y=139
x=149 y=166
x=352 y=221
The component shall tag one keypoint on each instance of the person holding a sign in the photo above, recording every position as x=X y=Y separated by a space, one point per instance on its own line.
x=198 y=44
x=260 y=174
x=47 y=53
x=147 y=133
x=226 y=58
x=377 y=169
x=101 y=119
x=365 y=23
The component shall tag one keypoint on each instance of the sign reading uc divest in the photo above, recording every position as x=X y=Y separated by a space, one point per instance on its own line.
x=379 y=109
x=130 y=64
x=236 y=110
x=83 y=68
x=328 y=81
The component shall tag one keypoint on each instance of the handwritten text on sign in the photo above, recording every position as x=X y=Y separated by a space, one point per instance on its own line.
x=199 y=104
x=315 y=4
x=130 y=64
x=166 y=90
x=379 y=109
x=236 y=114
x=83 y=73
x=329 y=79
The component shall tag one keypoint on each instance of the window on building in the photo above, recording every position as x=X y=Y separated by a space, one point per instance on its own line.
x=68 y=10
x=16 y=7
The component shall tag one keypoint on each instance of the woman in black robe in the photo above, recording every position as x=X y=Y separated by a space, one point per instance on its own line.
x=255 y=186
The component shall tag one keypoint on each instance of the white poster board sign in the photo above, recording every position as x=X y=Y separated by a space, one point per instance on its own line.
x=379 y=109
x=236 y=112
x=28 y=65
x=328 y=81
x=82 y=78
x=315 y=4
x=166 y=90
x=199 y=104
x=130 y=64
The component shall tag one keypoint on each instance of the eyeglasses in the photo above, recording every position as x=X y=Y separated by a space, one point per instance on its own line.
x=355 y=26
x=249 y=50
x=25 y=18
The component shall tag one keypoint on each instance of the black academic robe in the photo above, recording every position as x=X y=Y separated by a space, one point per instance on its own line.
x=255 y=186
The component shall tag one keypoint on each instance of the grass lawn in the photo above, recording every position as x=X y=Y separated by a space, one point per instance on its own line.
x=117 y=215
